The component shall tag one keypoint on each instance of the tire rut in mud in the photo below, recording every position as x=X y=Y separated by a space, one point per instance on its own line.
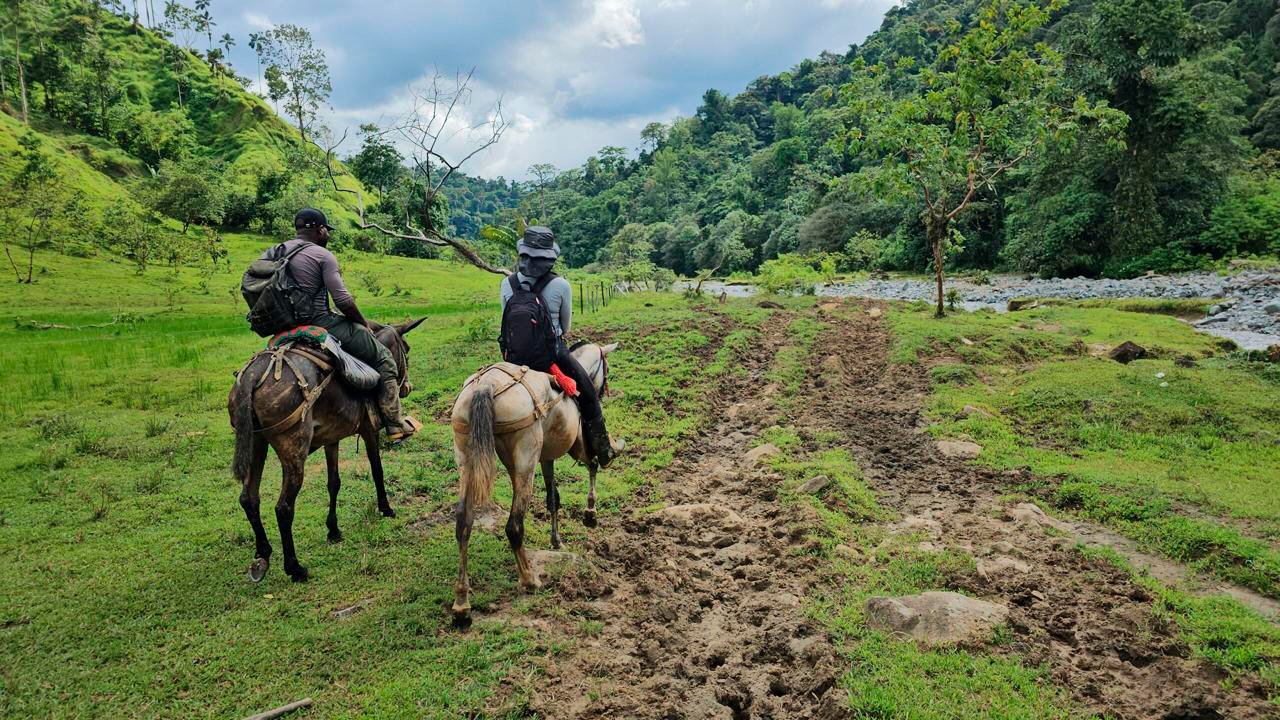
x=701 y=601
x=1084 y=618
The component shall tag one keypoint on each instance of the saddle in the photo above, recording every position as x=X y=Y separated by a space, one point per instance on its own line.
x=516 y=376
x=307 y=339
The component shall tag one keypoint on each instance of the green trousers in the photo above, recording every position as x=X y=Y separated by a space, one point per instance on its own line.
x=357 y=340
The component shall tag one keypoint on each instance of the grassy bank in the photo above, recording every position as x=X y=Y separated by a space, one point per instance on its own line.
x=1179 y=451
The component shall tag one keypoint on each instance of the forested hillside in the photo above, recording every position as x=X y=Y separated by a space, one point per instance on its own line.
x=124 y=129
x=790 y=165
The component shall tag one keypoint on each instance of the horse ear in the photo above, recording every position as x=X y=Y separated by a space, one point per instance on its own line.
x=376 y=326
x=608 y=348
x=404 y=328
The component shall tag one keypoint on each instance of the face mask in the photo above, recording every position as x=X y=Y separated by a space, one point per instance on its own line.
x=535 y=267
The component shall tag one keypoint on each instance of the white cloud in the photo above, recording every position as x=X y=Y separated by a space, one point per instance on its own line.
x=258 y=21
x=616 y=23
x=576 y=75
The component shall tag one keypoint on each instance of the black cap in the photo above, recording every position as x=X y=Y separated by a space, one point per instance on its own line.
x=309 y=218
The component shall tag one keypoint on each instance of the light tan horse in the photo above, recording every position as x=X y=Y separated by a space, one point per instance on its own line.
x=514 y=413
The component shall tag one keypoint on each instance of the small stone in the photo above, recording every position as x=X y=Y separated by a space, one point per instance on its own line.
x=1003 y=547
x=875 y=312
x=1159 y=375
x=1272 y=308
x=961 y=449
x=1000 y=566
x=757 y=454
x=1127 y=351
x=1164 y=384
x=969 y=411
x=847 y=552
x=833 y=364
x=966 y=341
x=815 y=484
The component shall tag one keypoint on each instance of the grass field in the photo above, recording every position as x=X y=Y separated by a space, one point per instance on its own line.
x=125 y=545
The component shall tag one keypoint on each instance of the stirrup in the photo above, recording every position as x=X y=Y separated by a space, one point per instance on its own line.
x=402 y=434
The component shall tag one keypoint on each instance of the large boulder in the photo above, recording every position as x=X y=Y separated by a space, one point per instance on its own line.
x=936 y=618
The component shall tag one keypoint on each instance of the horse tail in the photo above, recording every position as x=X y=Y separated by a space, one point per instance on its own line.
x=478 y=466
x=244 y=422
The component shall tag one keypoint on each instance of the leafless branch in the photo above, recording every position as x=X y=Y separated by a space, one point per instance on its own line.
x=426 y=128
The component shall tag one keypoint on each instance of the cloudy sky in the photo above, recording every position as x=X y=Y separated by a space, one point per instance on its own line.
x=573 y=75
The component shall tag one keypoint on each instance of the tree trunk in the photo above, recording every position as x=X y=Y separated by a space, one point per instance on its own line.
x=937 y=233
x=22 y=77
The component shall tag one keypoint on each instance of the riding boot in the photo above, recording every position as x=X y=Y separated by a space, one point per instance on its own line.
x=397 y=425
x=602 y=447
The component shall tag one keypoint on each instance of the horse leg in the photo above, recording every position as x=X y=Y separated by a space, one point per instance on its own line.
x=589 y=515
x=335 y=484
x=553 y=500
x=293 y=464
x=522 y=494
x=370 y=435
x=251 y=501
x=464 y=517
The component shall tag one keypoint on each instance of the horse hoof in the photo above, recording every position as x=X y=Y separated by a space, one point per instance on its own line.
x=388 y=512
x=335 y=537
x=555 y=542
x=258 y=569
x=531 y=587
x=299 y=575
x=462 y=618
x=589 y=519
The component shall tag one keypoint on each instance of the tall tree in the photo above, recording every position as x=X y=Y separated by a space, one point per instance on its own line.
x=543 y=174
x=303 y=70
x=991 y=100
x=378 y=164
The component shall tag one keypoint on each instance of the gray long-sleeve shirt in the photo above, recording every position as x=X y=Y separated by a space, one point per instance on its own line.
x=558 y=295
x=315 y=269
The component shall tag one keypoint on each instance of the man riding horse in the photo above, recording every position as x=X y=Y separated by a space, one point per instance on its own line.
x=315 y=270
x=538 y=252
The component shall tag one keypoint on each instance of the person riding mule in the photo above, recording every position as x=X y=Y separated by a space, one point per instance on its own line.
x=538 y=252
x=317 y=276
x=286 y=398
x=518 y=415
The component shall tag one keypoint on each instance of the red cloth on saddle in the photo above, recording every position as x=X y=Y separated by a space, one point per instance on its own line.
x=566 y=383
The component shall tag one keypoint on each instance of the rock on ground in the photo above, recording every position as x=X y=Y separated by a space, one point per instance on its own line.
x=755 y=455
x=936 y=618
x=962 y=449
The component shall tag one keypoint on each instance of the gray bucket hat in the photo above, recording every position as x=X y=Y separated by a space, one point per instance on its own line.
x=539 y=242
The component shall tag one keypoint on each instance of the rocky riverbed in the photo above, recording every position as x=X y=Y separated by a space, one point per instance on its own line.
x=1247 y=310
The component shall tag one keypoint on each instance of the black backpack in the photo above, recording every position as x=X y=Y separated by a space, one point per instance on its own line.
x=528 y=337
x=276 y=303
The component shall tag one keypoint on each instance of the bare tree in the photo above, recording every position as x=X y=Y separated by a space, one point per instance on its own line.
x=432 y=122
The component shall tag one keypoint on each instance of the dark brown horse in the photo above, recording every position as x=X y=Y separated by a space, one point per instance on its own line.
x=290 y=402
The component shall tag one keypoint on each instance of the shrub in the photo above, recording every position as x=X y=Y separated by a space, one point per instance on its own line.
x=788 y=273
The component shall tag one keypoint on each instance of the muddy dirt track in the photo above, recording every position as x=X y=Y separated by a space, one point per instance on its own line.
x=702 y=603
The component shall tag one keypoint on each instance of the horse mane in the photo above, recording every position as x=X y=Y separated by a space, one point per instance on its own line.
x=578 y=344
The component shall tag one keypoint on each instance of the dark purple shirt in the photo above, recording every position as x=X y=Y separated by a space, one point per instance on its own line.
x=315 y=269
